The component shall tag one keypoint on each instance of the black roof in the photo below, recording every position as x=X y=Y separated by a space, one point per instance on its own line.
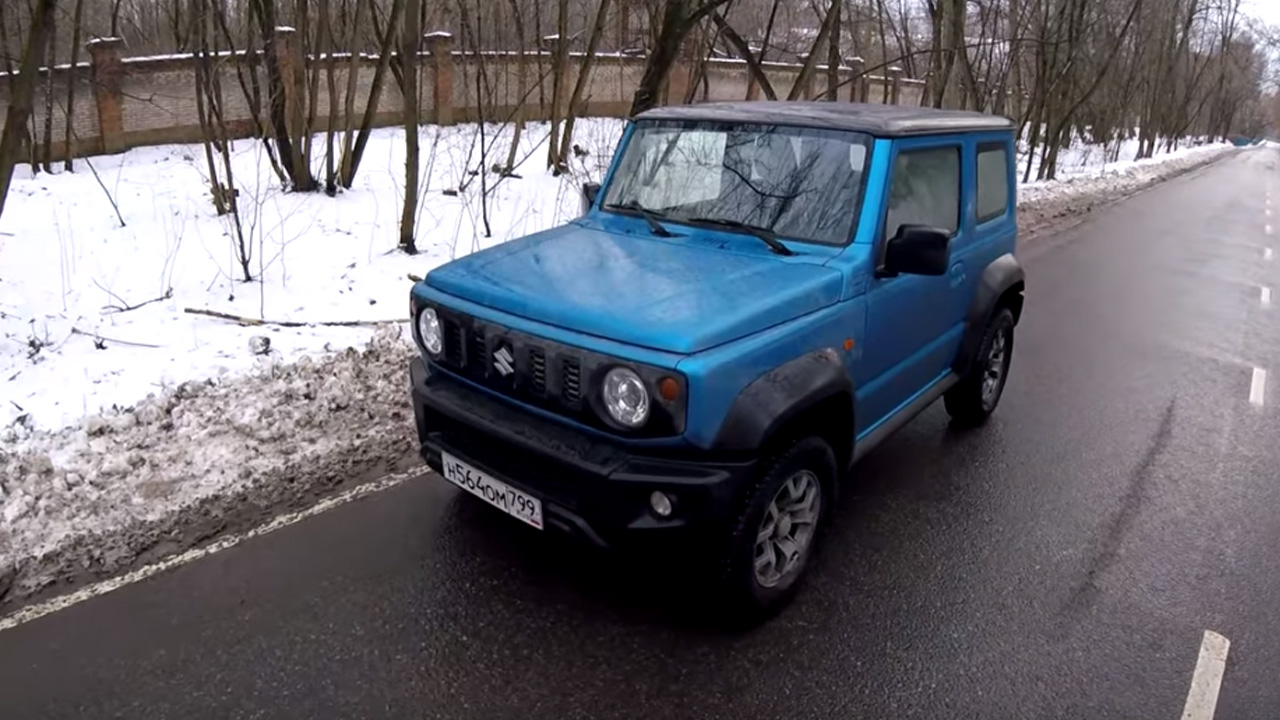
x=880 y=120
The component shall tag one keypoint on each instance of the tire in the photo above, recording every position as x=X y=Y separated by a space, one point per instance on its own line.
x=972 y=400
x=751 y=594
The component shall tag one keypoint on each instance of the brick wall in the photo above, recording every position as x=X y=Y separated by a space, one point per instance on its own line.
x=130 y=102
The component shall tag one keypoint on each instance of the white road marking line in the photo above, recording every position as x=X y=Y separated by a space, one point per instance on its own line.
x=1257 y=391
x=1206 y=681
x=1266 y=297
x=1266 y=253
x=48 y=607
x=1268 y=229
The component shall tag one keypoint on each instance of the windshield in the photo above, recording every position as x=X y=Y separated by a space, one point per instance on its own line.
x=800 y=183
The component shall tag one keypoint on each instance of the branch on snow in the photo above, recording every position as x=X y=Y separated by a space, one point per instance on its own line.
x=126 y=307
x=290 y=323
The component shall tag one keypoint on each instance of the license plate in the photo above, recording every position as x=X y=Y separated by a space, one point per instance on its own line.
x=493 y=491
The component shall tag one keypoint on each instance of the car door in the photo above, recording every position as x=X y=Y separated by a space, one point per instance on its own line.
x=912 y=333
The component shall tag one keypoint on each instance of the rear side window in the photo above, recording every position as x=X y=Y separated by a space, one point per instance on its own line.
x=925 y=190
x=993 y=182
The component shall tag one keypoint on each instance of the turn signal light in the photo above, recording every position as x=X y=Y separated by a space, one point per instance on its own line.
x=668 y=389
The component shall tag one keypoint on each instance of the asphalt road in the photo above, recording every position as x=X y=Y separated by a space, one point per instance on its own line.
x=1062 y=562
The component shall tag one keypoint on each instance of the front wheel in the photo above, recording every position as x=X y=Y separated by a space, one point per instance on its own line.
x=972 y=400
x=778 y=531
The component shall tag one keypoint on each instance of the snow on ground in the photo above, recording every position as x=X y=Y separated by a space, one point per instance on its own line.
x=119 y=427
x=128 y=434
x=66 y=261
x=1076 y=192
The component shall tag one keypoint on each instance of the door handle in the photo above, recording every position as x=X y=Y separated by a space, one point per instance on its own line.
x=957 y=275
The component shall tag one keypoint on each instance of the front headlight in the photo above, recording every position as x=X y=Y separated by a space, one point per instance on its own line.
x=430 y=332
x=625 y=397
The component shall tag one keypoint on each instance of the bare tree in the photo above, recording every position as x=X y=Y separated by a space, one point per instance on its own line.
x=296 y=166
x=76 y=24
x=351 y=160
x=23 y=92
x=559 y=67
x=678 y=18
x=51 y=61
x=410 y=42
x=584 y=77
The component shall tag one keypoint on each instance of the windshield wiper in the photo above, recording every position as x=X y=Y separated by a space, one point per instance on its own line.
x=649 y=216
x=764 y=234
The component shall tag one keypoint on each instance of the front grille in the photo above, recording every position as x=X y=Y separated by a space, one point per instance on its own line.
x=479 y=360
x=453 y=344
x=571 y=381
x=545 y=373
x=538 y=370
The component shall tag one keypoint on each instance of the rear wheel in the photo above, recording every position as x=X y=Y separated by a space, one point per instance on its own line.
x=777 y=534
x=972 y=400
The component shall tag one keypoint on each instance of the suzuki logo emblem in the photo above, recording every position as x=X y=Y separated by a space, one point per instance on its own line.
x=504 y=361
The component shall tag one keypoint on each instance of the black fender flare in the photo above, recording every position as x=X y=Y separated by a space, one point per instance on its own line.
x=782 y=394
x=997 y=278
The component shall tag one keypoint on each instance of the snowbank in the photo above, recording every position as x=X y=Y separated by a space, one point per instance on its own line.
x=198 y=460
x=132 y=433
x=1044 y=204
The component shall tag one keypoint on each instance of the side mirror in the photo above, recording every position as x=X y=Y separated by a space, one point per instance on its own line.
x=589 y=192
x=918 y=250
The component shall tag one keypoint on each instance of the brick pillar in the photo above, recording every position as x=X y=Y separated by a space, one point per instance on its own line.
x=283 y=43
x=857 y=79
x=557 y=46
x=440 y=45
x=107 y=73
x=895 y=85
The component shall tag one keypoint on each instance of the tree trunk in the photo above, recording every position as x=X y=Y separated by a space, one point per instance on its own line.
x=522 y=82
x=811 y=60
x=753 y=62
x=76 y=22
x=15 y=124
x=4 y=48
x=674 y=26
x=410 y=41
x=559 y=67
x=50 y=61
x=307 y=77
x=349 y=101
x=584 y=75
x=325 y=40
x=833 y=55
x=352 y=163
x=290 y=152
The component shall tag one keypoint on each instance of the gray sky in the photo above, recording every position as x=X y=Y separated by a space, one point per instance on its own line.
x=1267 y=10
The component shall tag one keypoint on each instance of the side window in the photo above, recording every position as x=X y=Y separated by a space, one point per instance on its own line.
x=925 y=190
x=993 y=182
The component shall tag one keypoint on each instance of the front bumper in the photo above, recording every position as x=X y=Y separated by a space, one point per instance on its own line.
x=591 y=488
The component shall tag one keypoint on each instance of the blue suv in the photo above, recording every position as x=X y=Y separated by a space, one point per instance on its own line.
x=756 y=295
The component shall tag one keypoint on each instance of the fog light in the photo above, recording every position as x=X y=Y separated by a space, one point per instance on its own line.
x=660 y=503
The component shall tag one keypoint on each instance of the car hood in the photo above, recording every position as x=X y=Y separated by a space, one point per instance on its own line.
x=682 y=294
